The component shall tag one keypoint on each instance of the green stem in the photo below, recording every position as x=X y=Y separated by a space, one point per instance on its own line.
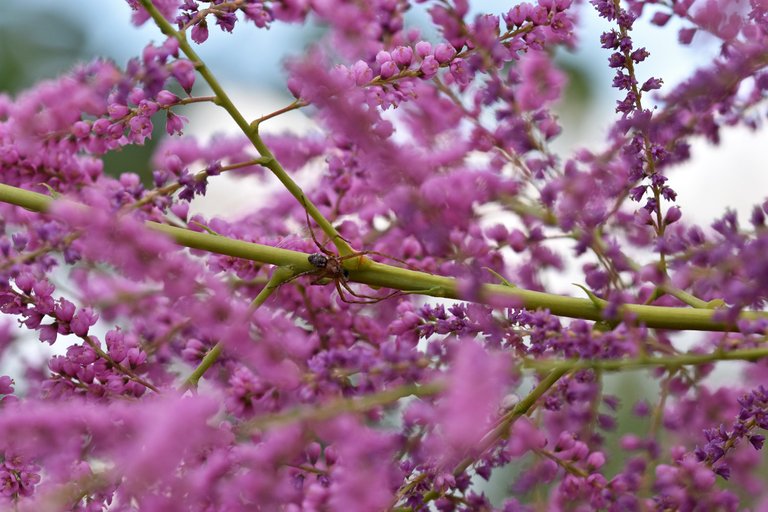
x=501 y=430
x=684 y=296
x=279 y=276
x=296 y=104
x=224 y=101
x=380 y=275
x=672 y=361
x=339 y=406
x=208 y=360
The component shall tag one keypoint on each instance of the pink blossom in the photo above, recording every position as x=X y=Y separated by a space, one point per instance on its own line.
x=173 y=385
x=6 y=385
x=184 y=71
x=167 y=8
x=541 y=82
x=429 y=67
x=444 y=53
x=466 y=409
x=174 y=123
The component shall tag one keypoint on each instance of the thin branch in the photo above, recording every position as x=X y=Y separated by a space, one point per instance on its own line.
x=339 y=406
x=279 y=276
x=670 y=361
x=224 y=101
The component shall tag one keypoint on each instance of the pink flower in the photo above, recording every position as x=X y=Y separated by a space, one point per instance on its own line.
x=444 y=53
x=167 y=8
x=174 y=123
x=476 y=384
x=429 y=67
x=362 y=73
x=83 y=320
x=184 y=72
x=402 y=55
x=48 y=333
x=423 y=49
x=388 y=70
x=200 y=32
x=540 y=82
x=6 y=385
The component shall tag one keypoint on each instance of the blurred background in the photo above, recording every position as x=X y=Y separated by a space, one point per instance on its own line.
x=40 y=40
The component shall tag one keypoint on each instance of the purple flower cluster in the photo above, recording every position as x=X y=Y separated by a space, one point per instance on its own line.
x=34 y=302
x=194 y=18
x=189 y=378
x=18 y=476
x=753 y=414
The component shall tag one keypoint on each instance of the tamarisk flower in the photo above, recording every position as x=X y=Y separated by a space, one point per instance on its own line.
x=18 y=477
x=434 y=146
x=753 y=414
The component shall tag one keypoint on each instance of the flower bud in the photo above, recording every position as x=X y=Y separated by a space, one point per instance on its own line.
x=444 y=53
x=673 y=215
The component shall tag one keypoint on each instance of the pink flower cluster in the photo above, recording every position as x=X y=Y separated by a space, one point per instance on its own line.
x=192 y=376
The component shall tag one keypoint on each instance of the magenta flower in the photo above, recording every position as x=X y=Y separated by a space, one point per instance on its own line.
x=174 y=123
x=184 y=72
x=200 y=32
x=435 y=290
x=429 y=67
x=403 y=56
x=388 y=69
x=444 y=53
x=6 y=385
x=540 y=82
x=167 y=8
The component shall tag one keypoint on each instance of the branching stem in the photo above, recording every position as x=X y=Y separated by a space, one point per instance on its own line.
x=224 y=101
x=279 y=276
x=415 y=282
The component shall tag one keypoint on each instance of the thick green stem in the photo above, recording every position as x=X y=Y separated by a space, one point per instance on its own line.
x=224 y=101
x=386 y=276
x=279 y=276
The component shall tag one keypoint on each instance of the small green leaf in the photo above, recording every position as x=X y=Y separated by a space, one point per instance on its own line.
x=53 y=193
x=204 y=227
x=603 y=326
x=500 y=278
x=597 y=301
x=715 y=304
